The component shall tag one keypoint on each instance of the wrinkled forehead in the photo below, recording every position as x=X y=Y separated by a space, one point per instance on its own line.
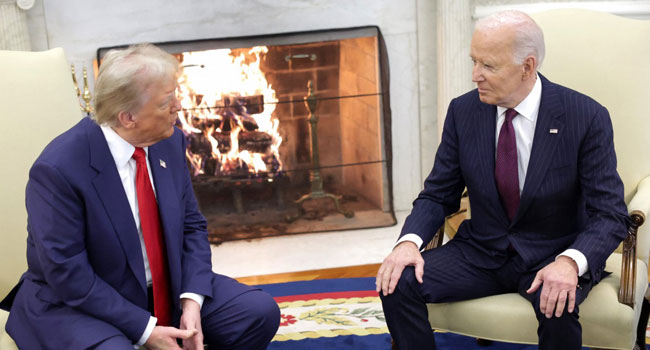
x=498 y=39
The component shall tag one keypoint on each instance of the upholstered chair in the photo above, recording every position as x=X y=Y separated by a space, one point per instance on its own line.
x=38 y=102
x=605 y=57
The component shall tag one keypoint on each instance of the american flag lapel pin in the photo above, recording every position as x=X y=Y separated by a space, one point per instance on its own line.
x=163 y=164
x=552 y=131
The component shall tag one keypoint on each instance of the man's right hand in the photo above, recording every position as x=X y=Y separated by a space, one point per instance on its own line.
x=404 y=254
x=164 y=338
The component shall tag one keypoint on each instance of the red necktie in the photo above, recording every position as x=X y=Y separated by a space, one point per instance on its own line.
x=153 y=240
x=506 y=173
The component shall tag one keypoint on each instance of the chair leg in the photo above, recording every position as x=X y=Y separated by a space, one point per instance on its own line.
x=643 y=324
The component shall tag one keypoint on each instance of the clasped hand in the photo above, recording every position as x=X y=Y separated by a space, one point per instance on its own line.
x=165 y=338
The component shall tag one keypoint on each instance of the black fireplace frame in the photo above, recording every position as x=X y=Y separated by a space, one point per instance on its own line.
x=302 y=37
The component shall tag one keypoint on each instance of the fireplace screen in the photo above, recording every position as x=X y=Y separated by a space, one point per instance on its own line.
x=287 y=133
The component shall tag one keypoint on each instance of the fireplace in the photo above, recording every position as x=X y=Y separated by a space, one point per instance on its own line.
x=287 y=133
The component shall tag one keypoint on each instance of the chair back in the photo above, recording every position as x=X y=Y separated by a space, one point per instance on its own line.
x=38 y=102
x=606 y=57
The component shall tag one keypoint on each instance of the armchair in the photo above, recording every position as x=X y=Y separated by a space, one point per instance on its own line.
x=605 y=57
x=38 y=101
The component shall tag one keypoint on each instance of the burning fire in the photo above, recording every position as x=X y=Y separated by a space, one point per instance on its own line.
x=227 y=113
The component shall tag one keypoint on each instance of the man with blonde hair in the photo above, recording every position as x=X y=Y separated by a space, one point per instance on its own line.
x=117 y=249
x=547 y=206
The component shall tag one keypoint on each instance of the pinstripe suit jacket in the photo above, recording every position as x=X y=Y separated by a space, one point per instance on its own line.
x=572 y=195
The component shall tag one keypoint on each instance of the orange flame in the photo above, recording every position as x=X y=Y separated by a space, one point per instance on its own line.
x=210 y=77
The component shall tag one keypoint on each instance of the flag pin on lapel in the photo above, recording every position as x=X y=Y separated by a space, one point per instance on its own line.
x=163 y=164
x=553 y=131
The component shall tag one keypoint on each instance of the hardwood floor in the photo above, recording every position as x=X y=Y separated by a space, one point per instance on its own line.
x=339 y=272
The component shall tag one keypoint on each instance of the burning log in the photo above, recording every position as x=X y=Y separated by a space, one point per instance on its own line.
x=237 y=110
x=252 y=141
x=255 y=141
x=228 y=134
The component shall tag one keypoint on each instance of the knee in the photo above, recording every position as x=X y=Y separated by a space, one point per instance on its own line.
x=561 y=322
x=267 y=311
x=248 y=322
x=557 y=323
x=407 y=286
x=263 y=312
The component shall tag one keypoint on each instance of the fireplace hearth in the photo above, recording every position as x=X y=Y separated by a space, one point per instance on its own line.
x=263 y=161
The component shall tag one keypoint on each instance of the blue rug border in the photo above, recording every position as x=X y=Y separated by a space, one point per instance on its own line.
x=319 y=286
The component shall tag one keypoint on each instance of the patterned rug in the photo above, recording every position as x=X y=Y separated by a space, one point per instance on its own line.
x=345 y=314
x=329 y=314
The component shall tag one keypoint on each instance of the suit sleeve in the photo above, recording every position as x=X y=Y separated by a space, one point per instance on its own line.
x=196 y=254
x=442 y=188
x=602 y=191
x=57 y=227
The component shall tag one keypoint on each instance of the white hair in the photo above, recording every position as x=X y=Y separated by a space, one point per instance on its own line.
x=529 y=38
x=124 y=78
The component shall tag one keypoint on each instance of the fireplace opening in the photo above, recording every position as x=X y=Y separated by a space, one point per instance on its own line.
x=287 y=133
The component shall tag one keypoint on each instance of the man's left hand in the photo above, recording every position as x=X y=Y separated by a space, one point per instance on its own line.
x=191 y=319
x=558 y=281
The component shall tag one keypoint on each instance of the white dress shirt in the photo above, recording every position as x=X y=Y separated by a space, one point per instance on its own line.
x=524 y=126
x=122 y=153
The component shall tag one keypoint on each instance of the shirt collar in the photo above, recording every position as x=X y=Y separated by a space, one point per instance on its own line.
x=529 y=107
x=121 y=150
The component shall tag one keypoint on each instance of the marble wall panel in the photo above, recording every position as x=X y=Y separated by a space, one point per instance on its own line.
x=81 y=26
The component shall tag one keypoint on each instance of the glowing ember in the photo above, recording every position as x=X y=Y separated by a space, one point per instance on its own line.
x=227 y=113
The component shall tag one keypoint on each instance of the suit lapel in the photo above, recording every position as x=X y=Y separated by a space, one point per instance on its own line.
x=167 y=207
x=109 y=187
x=551 y=111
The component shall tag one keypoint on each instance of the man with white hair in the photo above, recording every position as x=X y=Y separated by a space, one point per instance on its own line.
x=117 y=249
x=547 y=206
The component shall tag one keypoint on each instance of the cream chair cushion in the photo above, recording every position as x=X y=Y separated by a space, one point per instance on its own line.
x=38 y=101
x=510 y=317
x=605 y=57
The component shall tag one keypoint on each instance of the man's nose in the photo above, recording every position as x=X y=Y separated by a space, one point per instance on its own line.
x=176 y=105
x=477 y=75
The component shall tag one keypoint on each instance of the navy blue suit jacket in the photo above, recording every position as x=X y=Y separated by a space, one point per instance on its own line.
x=86 y=277
x=572 y=195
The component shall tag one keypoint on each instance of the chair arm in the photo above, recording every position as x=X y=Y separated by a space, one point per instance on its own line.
x=641 y=200
x=438 y=238
x=639 y=206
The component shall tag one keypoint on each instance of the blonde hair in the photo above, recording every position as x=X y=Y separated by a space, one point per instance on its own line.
x=124 y=79
x=529 y=38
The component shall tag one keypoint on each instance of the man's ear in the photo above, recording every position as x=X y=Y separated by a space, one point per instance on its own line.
x=126 y=120
x=529 y=68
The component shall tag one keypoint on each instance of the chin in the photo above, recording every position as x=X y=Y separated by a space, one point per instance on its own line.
x=485 y=99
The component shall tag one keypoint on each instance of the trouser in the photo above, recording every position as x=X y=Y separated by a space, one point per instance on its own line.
x=247 y=322
x=448 y=276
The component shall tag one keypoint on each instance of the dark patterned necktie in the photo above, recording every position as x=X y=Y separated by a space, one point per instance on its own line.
x=505 y=170
x=153 y=240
